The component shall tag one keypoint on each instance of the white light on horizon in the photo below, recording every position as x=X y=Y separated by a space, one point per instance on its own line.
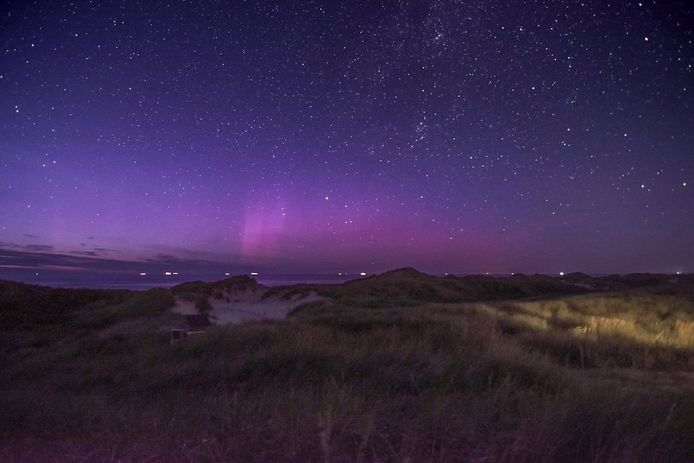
x=167 y=273
x=254 y=274
x=175 y=273
x=142 y=274
x=363 y=274
x=561 y=274
x=226 y=274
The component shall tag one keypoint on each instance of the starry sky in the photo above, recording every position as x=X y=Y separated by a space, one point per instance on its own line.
x=462 y=137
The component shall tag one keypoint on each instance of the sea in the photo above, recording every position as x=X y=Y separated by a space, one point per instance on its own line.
x=58 y=279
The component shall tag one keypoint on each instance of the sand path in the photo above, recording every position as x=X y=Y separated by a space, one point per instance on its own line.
x=246 y=306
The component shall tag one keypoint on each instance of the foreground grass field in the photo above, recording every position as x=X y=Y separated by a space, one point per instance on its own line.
x=540 y=377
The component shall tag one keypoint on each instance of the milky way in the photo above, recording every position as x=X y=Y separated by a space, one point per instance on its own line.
x=323 y=136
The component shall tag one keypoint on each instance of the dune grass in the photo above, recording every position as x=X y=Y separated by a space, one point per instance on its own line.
x=508 y=381
x=638 y=330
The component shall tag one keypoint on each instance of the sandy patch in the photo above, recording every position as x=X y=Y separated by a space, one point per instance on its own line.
x=246 y=306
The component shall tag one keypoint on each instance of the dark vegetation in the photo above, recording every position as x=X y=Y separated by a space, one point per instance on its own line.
x=408 y=287
x=396 y=367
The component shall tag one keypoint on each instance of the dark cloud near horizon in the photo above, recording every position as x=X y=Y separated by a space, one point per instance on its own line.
x=91 y=261
x=38 y=247
x=85 y=253
x=23 y=260
x=27 y=247
x=161 y=257
x=105 y=250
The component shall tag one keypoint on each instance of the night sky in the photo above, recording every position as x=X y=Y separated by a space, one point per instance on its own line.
x=462 y=137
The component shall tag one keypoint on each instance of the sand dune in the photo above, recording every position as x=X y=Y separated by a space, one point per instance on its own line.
x=248 y=305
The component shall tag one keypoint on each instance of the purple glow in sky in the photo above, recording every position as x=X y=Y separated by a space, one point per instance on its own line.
x=461 y=137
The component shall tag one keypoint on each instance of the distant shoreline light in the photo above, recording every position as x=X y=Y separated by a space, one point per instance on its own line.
x=254 y=274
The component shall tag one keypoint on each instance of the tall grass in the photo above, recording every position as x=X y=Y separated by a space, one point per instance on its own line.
x=513 y=381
